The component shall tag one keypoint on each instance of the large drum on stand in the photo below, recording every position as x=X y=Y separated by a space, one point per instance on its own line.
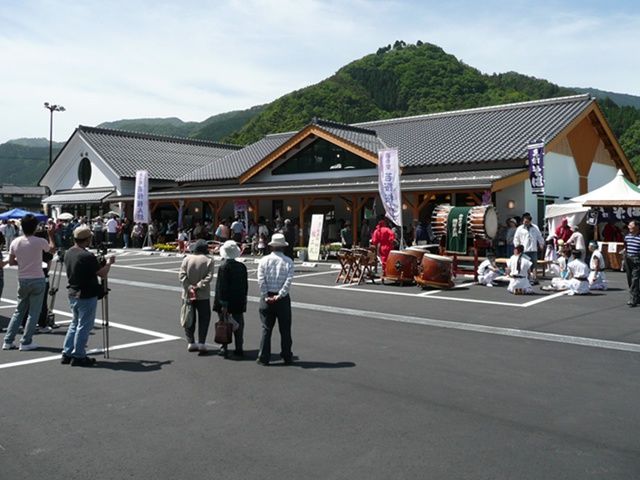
x=439 y=219
x=401 y=267
x=435 y=271
x=482 y=221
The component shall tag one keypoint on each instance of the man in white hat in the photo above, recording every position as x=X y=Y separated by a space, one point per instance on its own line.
x=275 y=275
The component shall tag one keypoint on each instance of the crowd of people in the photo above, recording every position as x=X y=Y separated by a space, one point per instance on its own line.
x=32 y=243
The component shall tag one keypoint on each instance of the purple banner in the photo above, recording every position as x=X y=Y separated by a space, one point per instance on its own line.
x=536 y=167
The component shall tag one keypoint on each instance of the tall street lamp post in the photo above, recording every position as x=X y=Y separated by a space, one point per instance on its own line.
x=52 y=108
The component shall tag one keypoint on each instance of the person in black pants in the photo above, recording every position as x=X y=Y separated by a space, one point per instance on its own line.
x=232 y=286
x=275 y=275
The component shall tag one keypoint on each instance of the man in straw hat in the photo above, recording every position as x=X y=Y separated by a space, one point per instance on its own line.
x=232 y=286
x=275 y=275
x=83 y=270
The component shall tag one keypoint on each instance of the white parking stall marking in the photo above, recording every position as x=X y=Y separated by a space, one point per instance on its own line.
x=159 y=337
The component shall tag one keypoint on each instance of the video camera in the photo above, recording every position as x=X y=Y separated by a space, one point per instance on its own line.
x=102 y=250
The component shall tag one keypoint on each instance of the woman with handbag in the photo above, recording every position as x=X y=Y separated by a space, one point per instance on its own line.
x=196 y=273
x=232 y=286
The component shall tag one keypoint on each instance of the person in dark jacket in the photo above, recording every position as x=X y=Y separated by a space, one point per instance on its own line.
x=289 y=234
x=230 y=297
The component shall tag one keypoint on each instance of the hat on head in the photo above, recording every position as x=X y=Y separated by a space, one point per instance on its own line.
x=287 y=222
x=83 y=232
x=278 y=240
x=229 y=249
x=564 y=220
x=513 y=220
x=200 y=247
x=593 y=244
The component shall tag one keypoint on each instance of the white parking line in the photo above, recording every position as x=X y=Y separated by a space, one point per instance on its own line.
x=510 y=332
x=159 y=338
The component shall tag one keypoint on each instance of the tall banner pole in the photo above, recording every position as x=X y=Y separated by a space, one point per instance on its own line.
x=389 y=187
x=141 y=202
x=536 y=169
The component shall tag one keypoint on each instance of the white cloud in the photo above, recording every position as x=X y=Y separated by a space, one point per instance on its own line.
x=106 y=61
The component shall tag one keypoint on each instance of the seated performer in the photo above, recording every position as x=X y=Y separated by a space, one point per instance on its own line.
x=518 y=267
x=488 y=271
x=597 y=278
x=561 y=269
x=577 y=283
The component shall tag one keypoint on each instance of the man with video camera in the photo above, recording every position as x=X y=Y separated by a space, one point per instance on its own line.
x=83 y=269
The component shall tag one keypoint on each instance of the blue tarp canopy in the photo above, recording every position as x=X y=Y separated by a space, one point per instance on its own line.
x=17 y=214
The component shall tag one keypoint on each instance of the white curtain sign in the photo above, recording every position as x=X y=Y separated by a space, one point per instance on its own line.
x=315 y=237
x=141 y=201
x=389 y=184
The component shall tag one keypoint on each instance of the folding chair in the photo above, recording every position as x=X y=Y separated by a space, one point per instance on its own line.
x=345 y=264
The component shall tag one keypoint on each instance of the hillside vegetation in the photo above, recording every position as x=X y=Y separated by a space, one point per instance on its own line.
x=398 y=80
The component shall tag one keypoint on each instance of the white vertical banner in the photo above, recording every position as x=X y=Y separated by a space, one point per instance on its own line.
x=241 y=212
x=389 y=184
x=315 y=237
x=141 y=201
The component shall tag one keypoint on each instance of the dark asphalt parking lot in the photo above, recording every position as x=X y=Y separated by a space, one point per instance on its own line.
x=389 y=382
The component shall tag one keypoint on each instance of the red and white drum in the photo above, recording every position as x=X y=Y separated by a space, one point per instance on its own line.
x=482 y=221
x=401 y=267
x=435 y=271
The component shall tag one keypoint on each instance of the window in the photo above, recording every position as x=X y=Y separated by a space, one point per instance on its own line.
x=84 y=172
x=322 y=156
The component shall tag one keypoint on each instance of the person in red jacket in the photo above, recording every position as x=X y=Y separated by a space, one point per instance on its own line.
x=563 y=232
x=383 y=238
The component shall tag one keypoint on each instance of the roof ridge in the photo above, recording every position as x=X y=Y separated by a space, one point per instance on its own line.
x=153 y=136
x=469 y=111
x=343 y=126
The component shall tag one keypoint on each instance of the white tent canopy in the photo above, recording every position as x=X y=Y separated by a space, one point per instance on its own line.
x=619 y=192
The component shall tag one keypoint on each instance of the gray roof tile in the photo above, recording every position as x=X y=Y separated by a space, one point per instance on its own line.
x=165 y=158
x=476 y=136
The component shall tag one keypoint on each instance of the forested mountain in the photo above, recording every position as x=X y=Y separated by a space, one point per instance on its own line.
x=403 y=80
x=396 y=81
x=214 y=128
x=22 y=164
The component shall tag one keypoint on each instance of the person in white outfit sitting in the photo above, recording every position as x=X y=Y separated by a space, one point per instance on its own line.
x=597 y=278
x=518 y=267
x=488 y=271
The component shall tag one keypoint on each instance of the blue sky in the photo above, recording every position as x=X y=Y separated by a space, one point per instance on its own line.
x=106 y=60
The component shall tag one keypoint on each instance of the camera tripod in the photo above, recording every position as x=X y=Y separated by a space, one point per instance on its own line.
x=105 y=317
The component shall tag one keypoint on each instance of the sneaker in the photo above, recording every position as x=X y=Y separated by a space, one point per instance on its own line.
x=66 y=359
x=44 y=330
x=261 y=363
x=8 y=346
x=192 y=347
x=28 y=346
x=83 y=362
x=202 y=349
x=490 y=285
